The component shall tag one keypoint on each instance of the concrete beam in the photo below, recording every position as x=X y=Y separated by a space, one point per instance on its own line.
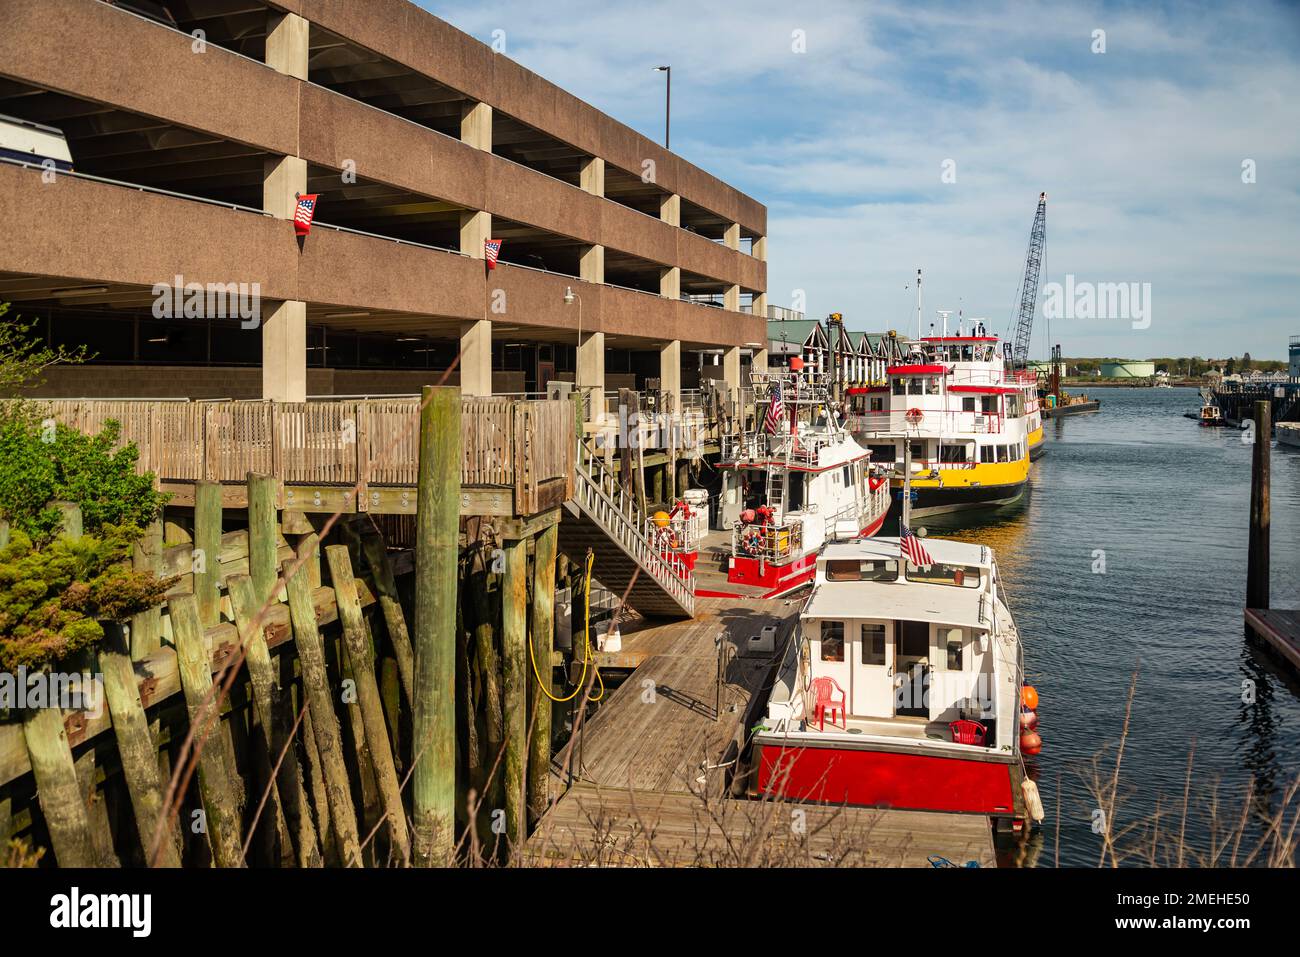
x=591 y=265
x=593 y=176
x=476 y=126
x=591 y=364
x=287 y=44
x=284 y=352
x=732 y=236
x=760 y=361
x=670 y=210
x=759 y=249
x=283 y=178
x=476 y=357
x=731 y=298
x=475 y=230
x=759 y=304
x=670 y=372
x=731 y=369
x=670 y=282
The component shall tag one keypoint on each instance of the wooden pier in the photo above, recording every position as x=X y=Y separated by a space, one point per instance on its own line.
x=651 y=777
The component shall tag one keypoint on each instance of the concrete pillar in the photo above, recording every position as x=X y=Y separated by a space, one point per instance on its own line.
x=475 y=230
x=287 y=43
x=591 y=364
x=731 y=299
x=476 y=357
x=760 y=360
x=591 y=264
x=670 y=210
x=593 y=176
x=670 y=282
x=284 y=352
x=284 y=326
x=732 y=236
x=759 y=304
x=476 y=126
x=759 y=248
x=670 y=372
x=731 y=369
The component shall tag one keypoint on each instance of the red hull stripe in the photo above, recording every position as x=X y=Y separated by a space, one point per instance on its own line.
x=885 y=779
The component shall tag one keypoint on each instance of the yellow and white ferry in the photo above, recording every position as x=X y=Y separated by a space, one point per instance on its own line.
x=954 y=417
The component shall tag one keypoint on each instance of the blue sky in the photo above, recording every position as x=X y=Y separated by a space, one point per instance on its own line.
x=1139 y=148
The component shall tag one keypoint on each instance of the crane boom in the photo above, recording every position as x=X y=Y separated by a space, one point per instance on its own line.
x=1029 y=285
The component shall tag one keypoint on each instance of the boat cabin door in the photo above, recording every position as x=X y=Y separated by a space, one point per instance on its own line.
x=873 y=670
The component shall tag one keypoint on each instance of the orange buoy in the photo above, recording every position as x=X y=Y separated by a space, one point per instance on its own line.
x=1029 y=720
x=662 y=519
x=1029 y=697
x=1030 y=742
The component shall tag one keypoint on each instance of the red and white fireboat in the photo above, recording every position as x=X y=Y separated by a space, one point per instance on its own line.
x=903 y=688
x=802 y=481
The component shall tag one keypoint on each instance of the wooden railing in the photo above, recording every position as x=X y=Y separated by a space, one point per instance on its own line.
x=518 y=444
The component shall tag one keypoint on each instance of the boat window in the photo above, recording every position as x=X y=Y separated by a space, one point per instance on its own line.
x=860 y=570
x=986 y=453
x=882 y=453
x=832 y=641
x=873 y=644
x=847 y=481
x=954 y=644
x=794 y=497
x=952 y=453
x=968 y=403
x=1002 y=453
x=900 y=386
x=942 y=573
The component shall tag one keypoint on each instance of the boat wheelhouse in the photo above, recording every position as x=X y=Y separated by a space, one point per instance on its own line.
x=901 y=688
x=797 y=480
x=956 y=417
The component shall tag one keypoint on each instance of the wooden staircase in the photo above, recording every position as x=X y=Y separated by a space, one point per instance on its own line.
x=604 y=517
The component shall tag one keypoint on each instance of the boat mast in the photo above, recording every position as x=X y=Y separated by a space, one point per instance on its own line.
x=918 y=305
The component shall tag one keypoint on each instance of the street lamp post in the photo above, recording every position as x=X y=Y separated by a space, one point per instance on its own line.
x=668 y=100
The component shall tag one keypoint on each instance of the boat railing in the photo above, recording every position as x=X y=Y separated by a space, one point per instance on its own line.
x=929 y=421
x=774 y=543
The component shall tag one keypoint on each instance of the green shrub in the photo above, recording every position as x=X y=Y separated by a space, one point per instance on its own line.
x=43 y=462
x=53 y=598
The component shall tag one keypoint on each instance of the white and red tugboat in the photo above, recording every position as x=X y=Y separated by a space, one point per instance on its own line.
x=802 y=481
x=903 y=687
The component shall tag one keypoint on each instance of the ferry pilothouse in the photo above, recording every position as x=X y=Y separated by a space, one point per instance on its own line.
x=954 y=419
x=903 y=687
x=796 y=478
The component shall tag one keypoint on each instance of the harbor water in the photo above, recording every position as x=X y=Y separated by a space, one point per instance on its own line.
x=1129 y=553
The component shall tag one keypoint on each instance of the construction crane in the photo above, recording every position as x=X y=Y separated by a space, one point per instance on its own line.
x=1029 y=286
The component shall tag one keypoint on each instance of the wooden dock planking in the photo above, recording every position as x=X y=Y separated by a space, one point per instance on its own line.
x=618 y=827
x=659 y=742
x=1280 y=629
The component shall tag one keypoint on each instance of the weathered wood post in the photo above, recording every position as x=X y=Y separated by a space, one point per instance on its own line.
x=220 y=803
x=146 y=627
x=1257 y=555
x=434 y=640
x=543 y=641
x=514 y=649
x=325 y=724
x=381 y=567
x=262 y=538
x=206 y=558
x=360 y=652
x=135 y=747
x=62 y=803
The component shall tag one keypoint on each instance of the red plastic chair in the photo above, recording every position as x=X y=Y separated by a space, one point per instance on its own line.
x=824 y=700
x=968 y=732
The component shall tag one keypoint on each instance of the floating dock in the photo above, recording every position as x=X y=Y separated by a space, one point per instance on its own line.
x=649 y=782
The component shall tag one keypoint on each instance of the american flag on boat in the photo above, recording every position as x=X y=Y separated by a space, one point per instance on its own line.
x=304 y=213
x=775 y=411
x=910 y=546
x=493 y=249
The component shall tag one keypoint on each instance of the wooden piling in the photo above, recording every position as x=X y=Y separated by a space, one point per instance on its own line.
x=381 y=568
x=61 y=800
x=360 y=653
x=215 y=785
x=263 y=543
x=325 y=725
x=434 y=638
x=205 y=561
x=514 y=654
x=136 y=748
x=69 y=519
x=289 y=795
x=543 y=641
x=1257 y=554
x=101 y=833
x=146 y=627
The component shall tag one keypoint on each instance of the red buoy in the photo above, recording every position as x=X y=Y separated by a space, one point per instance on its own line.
x=1030 y=742
x=1029 y=720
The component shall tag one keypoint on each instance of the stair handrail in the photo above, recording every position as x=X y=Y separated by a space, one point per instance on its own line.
x=618 y=518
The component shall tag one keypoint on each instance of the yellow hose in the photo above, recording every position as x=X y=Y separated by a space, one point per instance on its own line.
x=586 y=643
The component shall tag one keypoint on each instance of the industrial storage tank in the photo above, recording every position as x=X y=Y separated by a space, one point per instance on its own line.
x=1128 y=370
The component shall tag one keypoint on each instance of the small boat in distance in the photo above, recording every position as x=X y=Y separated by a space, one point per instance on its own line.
x=1211 y=415
x=903 y=687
